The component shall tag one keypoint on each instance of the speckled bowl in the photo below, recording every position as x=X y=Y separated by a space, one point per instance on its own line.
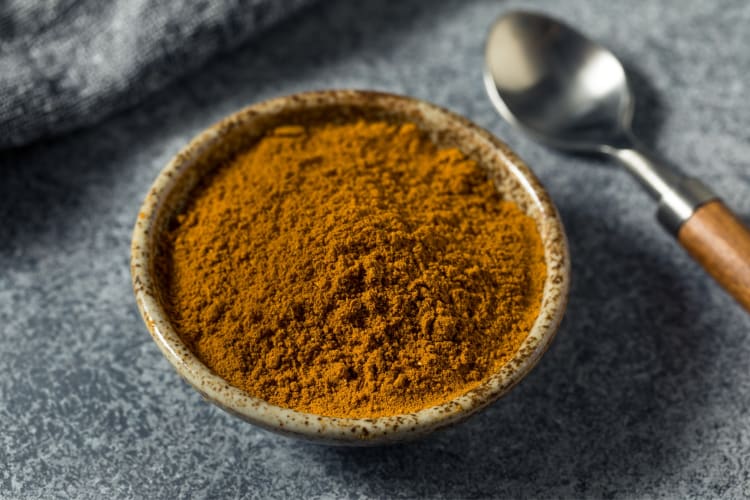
x=215 y=145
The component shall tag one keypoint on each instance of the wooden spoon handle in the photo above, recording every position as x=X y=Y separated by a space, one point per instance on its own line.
x=720 y=243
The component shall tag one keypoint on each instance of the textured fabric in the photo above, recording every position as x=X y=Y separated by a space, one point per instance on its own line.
x=67 y=63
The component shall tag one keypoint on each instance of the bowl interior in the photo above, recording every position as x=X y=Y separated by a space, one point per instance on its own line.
x=221 y=142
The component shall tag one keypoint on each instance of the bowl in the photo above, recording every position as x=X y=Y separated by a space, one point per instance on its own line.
x=221 y=141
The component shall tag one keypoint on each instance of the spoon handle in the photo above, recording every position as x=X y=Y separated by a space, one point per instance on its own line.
x=720 y=242
x=703 y=225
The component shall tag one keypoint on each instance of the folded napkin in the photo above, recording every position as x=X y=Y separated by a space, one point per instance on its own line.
x=69 y=63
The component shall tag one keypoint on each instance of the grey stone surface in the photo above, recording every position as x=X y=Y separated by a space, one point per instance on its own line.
x=645 y=392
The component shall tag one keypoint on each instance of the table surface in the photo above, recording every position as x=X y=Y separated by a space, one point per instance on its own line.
x=645 y=392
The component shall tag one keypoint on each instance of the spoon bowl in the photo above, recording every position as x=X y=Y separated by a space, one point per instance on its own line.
x=561 y=87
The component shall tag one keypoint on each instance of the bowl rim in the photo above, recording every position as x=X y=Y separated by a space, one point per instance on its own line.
x=338 y=430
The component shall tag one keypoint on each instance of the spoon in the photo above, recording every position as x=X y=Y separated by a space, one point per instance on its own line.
x=571 y=93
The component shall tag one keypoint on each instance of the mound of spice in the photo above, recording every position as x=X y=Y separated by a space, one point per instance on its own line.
x=352 y=270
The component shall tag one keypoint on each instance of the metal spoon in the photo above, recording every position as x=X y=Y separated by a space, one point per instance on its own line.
x=571 y=93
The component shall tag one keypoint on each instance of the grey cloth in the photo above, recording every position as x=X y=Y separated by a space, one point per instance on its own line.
x=67 y=63
x=645 y=392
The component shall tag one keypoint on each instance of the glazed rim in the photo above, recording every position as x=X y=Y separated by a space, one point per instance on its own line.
x=508 y=172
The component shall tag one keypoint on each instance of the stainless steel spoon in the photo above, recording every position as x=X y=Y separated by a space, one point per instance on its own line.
x=571 y=93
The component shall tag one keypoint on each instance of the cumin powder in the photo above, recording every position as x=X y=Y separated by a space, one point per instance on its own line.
x=352 y=270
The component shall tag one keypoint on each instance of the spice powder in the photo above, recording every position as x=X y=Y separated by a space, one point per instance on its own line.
x=352 y=270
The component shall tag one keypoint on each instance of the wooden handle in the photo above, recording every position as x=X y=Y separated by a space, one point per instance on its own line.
x=720 y=243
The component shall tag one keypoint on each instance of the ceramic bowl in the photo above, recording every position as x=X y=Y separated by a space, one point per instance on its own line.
x=221 y=141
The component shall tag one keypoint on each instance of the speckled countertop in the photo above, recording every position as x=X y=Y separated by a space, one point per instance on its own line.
x=645 y=392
